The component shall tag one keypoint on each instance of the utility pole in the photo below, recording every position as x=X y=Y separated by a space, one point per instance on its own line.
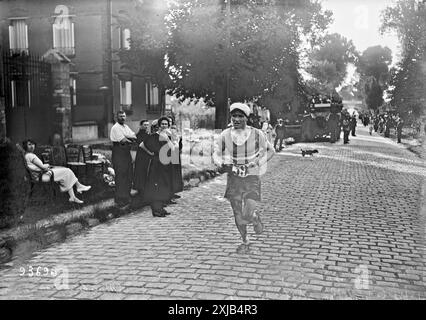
x=228 y=44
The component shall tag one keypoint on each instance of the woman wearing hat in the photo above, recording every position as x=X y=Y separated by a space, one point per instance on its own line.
x=244 y=150
x=158 y=189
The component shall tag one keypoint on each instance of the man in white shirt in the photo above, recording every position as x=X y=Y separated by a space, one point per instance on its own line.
x=122 y=137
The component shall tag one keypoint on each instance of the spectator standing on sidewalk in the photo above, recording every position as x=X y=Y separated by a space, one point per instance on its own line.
x=159 y=188
x=143 y=156
x=387 y=126
x=244 y=151
x=334 y=125
x=370 y=127
x=381 y=124
x=280 y=134
x=122 y=137
x=376 y=123
x=353 y=124
x=399 y=126
x=346 y=126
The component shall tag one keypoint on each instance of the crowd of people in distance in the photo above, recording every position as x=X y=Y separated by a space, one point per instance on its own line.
x=383 y=123
x=156 y=177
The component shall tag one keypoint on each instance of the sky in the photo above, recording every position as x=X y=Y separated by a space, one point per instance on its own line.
x=359 y=21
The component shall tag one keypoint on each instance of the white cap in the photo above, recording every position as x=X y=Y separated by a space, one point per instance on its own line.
x=240 y=106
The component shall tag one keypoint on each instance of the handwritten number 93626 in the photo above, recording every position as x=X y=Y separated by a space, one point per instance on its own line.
x=39 y=271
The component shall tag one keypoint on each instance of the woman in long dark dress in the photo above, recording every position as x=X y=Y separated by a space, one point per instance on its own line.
x=158 y=188
x=143 y=156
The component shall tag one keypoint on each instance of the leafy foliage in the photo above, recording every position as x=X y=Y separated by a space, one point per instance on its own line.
x=241 y=49
x=373 y=67
x=408 y=78
x=148 y=41
x=329 y=60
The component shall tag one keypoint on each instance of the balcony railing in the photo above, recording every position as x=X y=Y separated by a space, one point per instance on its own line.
x=68 y=51
x=19 y=51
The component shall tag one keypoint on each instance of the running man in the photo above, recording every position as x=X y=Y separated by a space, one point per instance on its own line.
x=245 y=151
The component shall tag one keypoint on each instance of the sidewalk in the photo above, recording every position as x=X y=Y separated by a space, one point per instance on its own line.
x=24 y=239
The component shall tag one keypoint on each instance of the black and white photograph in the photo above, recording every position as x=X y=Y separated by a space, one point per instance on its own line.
x=212 y=153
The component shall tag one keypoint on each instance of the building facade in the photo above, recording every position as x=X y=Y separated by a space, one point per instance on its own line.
x=88 y=33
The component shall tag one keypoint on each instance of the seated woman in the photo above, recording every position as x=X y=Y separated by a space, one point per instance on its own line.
x=62 y=175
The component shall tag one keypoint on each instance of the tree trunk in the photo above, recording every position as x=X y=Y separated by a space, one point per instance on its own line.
x=221 y=104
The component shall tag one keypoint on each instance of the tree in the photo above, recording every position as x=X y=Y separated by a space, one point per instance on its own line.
x=374 y=62
x=217 y=50
x=408 y=78
x=148 y=41
x=373 y=67
x=329 y=61
x=373 y=93
x=241 y=53
x=351 y=92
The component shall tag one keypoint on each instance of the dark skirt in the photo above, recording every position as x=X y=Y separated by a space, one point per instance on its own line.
x=242 y=188
x=141 y=170
x=177 y=180
x=158 y=185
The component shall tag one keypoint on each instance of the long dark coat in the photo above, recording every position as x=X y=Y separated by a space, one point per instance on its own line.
x=141 y=164
x=158 y=185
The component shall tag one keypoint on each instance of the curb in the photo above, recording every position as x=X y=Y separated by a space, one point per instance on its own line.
x=422 y=209
x=20 y=242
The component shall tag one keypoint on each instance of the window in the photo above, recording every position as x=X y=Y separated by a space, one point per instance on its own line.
x=63 y=35
x=125 y=38
x=73 y=91
x=152 y=97
x=18 y=36
x=20 y=93
x=125 y=93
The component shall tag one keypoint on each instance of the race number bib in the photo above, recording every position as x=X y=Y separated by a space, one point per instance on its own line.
x=240 y=171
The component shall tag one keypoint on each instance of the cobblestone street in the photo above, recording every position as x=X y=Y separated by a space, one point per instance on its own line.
x=344 y=224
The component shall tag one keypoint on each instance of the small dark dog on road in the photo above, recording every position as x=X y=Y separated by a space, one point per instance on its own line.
x=309 y=152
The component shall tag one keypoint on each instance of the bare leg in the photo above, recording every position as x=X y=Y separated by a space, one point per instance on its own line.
x=249 y=207
x=73 y=198
x=250 y=214
x=81 y=187
x=239 y=221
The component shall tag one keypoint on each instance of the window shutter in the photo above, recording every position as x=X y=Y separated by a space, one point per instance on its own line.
x=125 y=38
x=154 y=95
x=147 y=92
x=18 y=35
x=12 y=38
x=63 y=36
x=128 y=92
